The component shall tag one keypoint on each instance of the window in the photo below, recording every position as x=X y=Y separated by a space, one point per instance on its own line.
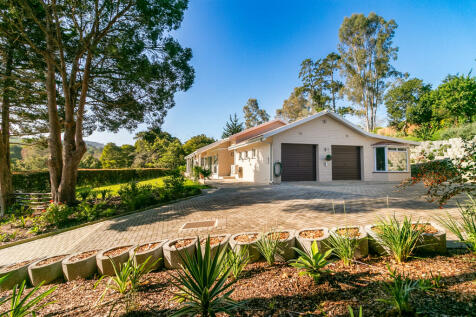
x=240 y=155
x=245 y=154
x=253 y=153
x=391 y=159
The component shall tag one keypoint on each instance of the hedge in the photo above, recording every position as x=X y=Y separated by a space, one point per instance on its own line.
x=39 y=181
x=435 y=165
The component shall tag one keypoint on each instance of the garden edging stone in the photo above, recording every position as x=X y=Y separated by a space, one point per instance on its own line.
x=82 y=268
x=362 y=249
x=432 y=242
x=17 y=276
x=45 y=273
x=173 y=256
x=306 y=243
x=156 y=255
x=253 y=252
x=104 y=264
x=287 y=252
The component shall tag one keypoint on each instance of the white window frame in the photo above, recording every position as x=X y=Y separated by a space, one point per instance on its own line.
x=398 y=149
x=253 y=153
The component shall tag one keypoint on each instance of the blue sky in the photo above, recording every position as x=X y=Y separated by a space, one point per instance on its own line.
x=253 y=49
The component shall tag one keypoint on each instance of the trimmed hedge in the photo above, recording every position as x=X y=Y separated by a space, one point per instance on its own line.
x=39 y=181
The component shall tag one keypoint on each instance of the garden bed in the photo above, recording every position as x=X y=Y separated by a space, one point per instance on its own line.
x=249 y=239
x=280 y=291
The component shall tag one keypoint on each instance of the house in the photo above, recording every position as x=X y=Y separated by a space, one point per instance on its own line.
x=321 y=147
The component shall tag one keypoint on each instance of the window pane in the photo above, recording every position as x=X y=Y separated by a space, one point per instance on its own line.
x=397 y=161
x=380 y=158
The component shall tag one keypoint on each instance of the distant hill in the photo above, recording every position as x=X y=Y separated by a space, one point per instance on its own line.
x=96 y=145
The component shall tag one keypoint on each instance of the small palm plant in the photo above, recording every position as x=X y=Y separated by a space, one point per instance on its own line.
x=399 y=291
x=202 y=283
x=465 y=229
x=268 y=245
x=313 y=263
x=398 y=238
x=236 y=260
x=25 y=305
x=343 y=247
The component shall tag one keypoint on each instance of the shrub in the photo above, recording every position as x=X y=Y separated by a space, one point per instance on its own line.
x=136 y=197
x=343 y=247
x=57 y=214
x=465 y=131
x=268 y=246
x=465 y=229
x=398 y=238
x=236 y=261
x=199 y=171
x=202 y=283
x=39 y=181
x=311 y=264
x=174 y=184
x=89 y=211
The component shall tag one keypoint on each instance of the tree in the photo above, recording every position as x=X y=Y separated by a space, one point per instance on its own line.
x=321 y=83
x=366 y=50
x=113 y=156
x=233 y=126
x=156 y=148
x=457 y=97
x=402 y=96
x=196 y=142
x=253 y=114
x=116 y=64
x=295 y=107
x=426 y=115
x=90 y=162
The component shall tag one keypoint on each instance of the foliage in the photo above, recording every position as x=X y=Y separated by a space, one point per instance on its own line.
x=426 y=115
x=126 y=280
x=253 y=114
x=90 y=162
x=402 y=96
x=236 y=260
x=295 y=107
x=398 y=238
x=57 y=214
x=464 y=131
x=114 y=156
x=232 y=126
x=399 y=291
x=366 y=49
x=351 y=311
x=313 y=263
x=199 y=171
x=174 y=184
x=465 y=228
x=268 y=245
x=3 y=278
x=40 y=181
x=343 y=247
x=202 y=283
x=447 y=178
x=137 y=196
x=29 y=303
x=196 y=142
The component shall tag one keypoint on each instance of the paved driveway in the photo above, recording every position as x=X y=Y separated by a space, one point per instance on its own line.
x=242 y=208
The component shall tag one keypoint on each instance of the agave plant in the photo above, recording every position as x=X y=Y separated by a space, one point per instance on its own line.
x=465 y=229
x=313 y=263
x=398 y=238
x=202 y=283
x=343 y=247
x=351 y=311
x=3 y=279
x=236 y=261
x=268 y=245
x=24 y=305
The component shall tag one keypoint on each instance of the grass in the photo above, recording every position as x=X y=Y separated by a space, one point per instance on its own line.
x=156 y=182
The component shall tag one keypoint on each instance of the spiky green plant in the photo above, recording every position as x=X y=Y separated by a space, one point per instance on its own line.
x=5 y=298
x=399 y=291
x=399 y=239
x=351 y=311
x=464 y=229
x=236 y=260
x=29 y=304
x=268 y=245
x=313 y=263
x=343 y=247
x=202 y=283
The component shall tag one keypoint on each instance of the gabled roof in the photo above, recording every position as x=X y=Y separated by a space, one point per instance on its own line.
x=207 y=147
x=340 y=119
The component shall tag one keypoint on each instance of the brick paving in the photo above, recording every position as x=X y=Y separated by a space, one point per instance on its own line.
x=242 y=207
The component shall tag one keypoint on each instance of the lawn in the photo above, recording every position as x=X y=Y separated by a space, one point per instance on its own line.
x=155 y=182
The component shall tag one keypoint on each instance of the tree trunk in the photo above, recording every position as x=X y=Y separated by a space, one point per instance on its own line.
x=6 y=187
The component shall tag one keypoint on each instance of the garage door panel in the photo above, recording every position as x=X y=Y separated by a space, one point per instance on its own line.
x=346 y=162
x=298 y=162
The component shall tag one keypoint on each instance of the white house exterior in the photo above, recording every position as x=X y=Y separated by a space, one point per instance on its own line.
x=322 y=147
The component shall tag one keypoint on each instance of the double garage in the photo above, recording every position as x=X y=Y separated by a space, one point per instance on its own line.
x=299 y=162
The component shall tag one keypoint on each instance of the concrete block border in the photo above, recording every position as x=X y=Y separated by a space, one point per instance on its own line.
x=18 y=273
x=363 y=243
x=306 y=243
x=375 y=245
x=81 y=268
x=432 y=243
x=287 y=252
x=104 y=262
x=253 y=252
x=218 y=246
x=47 y=273
x=173 y=256
x=156 y=254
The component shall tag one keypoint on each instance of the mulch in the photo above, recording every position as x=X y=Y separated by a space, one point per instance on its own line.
x=83 y=255
x=51 y=260
x=280 y=291
x=117 y=251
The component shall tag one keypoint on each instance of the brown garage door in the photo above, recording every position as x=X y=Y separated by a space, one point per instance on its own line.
x=298 y=162
x=345 y=162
